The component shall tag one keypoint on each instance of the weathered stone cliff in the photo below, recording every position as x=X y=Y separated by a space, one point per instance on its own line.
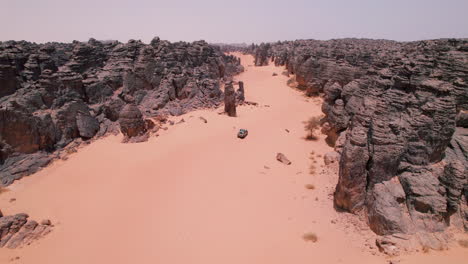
x=391 y=111
x=53 y=94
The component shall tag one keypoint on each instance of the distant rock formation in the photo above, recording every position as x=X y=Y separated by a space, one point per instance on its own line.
x=56 y=93
x=262 y=54
x=230 y=99
x=391 y=112
x=240 y=93
x=17 y=230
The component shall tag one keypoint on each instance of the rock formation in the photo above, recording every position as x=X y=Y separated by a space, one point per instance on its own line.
x=131 y=122
x=283 y=159
x=391 y=112
x=240 y=97
x=17 y=230
x=229 y=99
x=54 y=94
x=262 y=54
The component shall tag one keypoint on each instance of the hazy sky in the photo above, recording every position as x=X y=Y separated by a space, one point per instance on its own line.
x=231 y=21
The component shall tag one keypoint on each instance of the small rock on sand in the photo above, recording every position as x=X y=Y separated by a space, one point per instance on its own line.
x=203 y=119
x=46 y=222
x=282 y=158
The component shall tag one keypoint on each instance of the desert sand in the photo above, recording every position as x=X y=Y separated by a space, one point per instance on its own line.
x=198 y=194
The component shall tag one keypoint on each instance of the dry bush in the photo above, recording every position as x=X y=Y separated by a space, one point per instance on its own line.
x=3 y=190
x=312 y=169
x=311 y=126
x=425 y=249
x=312 y=237
x=463 y=243
x=310 y=186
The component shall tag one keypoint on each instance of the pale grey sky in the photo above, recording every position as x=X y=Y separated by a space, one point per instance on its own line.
x=231 y=21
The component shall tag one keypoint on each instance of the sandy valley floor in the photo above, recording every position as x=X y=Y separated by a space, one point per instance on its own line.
x=198 y=194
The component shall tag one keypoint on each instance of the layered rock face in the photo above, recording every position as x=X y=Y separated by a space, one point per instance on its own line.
x=17 y=230
x=391 y=111
x=53 y=94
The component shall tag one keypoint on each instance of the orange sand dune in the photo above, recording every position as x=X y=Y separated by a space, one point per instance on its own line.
x=198 y=194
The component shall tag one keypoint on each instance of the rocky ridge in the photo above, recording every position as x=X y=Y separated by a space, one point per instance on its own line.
x=17 y=231
x=55 y=94
x=396 y=114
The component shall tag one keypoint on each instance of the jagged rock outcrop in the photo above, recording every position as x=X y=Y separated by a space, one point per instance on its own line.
x=262 y=54
x=392 y=110
x=54 y=94
x=230 y=99
x=240 y=93
x=17 y=230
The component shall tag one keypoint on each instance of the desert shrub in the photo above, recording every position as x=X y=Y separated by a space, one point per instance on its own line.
x=312 y=237
x=463 y=243
x=3 y=189
x=311 y=126
x=425 y=249
x=310 y=186
x=312 y=169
